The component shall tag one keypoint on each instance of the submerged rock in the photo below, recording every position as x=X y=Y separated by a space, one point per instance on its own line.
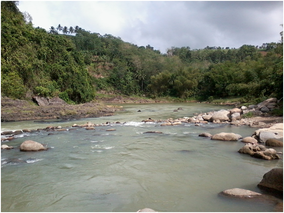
x=146 y=210
x=156 y=132
x=240 y=193
x=205 y=134
x=5 y=146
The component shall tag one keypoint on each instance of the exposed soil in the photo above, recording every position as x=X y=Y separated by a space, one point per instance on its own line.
x=21 y=110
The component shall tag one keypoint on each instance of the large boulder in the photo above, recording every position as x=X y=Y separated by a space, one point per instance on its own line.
x=30 y=145
x=42 y=101
x=272 y=181
x=275 y=132
x=266 y=103
x=221 y=115
x=224 y=136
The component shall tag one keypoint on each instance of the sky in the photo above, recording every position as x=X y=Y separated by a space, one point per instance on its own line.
x=166 y=24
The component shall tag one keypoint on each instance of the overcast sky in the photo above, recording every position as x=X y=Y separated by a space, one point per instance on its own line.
x=166 y=24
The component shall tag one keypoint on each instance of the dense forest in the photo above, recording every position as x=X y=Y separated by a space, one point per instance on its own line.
x=76 y=64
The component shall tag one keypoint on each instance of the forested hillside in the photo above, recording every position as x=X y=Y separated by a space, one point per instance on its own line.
x=75 y=64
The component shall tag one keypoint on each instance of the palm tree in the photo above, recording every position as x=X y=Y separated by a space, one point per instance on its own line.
x=76 y=29
x=53 y=30
x=65 y=30
x=71 y=30
x=59 y=28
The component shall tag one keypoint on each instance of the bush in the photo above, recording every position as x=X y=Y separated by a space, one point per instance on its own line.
x=248 y=115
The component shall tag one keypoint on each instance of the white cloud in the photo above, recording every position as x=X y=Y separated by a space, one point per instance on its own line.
x=164 y=24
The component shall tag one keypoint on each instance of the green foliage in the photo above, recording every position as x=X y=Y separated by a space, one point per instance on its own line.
x=73 y=67
x=12 y=85
x=43 y=63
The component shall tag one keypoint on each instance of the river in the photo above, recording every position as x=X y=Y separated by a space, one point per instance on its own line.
x=126 y=170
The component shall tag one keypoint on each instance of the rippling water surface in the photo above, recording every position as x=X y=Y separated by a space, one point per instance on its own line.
x=128 y=169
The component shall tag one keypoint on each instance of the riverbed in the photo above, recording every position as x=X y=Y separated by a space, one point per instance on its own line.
x=128 y=169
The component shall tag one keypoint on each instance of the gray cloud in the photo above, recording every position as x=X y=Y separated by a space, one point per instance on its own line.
x=164 y=24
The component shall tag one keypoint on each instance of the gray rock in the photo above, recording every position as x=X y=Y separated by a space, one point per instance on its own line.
x=264 y=109
x=266 y=102
x=275 y=131
x=271 y=105
x=221 y=115
x=235 y=116
x=252 y=106
x=265 y=135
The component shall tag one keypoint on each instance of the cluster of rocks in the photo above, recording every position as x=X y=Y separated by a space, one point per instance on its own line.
x=28 y=146
x=256 y=144
x=233 y=116
x=272 y=186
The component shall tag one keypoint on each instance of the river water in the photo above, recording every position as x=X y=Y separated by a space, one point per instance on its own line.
x=126 y=169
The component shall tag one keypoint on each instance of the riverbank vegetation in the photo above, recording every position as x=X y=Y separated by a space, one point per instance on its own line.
x=77 y=65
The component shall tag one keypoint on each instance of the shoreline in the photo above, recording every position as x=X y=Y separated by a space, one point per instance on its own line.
x=22 y=110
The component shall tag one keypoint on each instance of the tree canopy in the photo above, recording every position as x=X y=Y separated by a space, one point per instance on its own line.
x=73 y=63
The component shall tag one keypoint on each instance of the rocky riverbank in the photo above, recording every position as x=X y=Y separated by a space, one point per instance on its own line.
x=55 y=108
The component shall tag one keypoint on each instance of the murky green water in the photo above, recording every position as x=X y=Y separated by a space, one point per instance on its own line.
x=126 y=170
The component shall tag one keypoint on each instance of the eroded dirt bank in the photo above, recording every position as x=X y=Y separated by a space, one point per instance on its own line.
x=21 y=110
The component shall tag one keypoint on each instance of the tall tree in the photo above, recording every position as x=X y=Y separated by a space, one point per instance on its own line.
x=71 y=30
x=65 y=30
x=59 y=27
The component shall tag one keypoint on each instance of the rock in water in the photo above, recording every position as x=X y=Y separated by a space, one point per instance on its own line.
x=30 y=145
x=274 y=143
x=224 y=136
x=272 y=180
x=240 y=193
x=146 y=210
